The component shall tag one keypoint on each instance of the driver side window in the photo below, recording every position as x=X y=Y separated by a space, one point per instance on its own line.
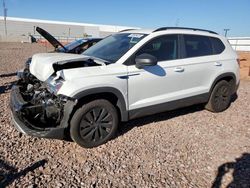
x=163 y=48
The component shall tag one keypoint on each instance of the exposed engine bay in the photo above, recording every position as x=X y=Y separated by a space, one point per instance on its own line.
x=42 y=107
x=35 y=101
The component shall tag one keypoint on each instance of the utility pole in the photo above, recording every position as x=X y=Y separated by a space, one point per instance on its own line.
x=226 y=31
x=177 y=22
x=5 y=15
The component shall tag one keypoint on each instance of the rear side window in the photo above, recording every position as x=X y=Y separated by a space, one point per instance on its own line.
x=218 y=46
x=197 y=45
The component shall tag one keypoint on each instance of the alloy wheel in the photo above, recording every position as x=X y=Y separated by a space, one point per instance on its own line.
x=96 y=124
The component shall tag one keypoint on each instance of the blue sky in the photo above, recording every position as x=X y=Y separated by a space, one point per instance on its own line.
x=210 y=14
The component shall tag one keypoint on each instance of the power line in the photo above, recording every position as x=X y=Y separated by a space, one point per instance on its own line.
x=177 y=22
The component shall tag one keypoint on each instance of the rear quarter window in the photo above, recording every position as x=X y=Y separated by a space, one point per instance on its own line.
x=218 y=45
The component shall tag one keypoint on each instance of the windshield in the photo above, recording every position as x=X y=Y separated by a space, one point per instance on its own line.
x=114 y=47
x=72 y=45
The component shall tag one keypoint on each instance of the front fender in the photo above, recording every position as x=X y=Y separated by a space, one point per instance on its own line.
x=121 y=103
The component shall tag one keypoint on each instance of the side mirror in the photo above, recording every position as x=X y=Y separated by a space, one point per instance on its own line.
x=145 y=60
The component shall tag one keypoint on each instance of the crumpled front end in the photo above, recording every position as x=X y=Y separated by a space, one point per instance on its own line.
x=38 y=112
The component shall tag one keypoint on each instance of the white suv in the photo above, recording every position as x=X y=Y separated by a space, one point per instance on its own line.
x=126 y=75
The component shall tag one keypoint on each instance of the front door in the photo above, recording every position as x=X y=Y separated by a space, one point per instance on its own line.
x=158 y=84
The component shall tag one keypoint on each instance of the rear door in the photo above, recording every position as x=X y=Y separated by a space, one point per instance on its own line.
x=200 y=64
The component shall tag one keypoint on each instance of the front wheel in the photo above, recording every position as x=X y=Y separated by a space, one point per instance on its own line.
x=94 y=123
x=220 y=98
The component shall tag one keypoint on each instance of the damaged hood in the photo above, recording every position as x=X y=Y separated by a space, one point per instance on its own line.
x=43 y=65
x=52 y=40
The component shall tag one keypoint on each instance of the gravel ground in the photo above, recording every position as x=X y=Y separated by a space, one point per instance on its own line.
x=190 y=147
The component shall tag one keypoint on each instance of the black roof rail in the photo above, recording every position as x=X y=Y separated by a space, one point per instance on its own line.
x=187 y=28
x=126 y=30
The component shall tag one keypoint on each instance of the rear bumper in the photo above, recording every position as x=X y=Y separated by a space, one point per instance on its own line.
x=17 y=103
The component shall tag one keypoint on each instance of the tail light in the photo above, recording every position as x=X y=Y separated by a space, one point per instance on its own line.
x=238 y=60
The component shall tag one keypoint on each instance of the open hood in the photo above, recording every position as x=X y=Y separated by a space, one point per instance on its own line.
x=50 y=38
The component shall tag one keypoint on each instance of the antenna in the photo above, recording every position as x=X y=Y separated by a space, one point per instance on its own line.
x=5 y=15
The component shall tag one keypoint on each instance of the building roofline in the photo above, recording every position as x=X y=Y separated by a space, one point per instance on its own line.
x=238 y=38
x=64 y=23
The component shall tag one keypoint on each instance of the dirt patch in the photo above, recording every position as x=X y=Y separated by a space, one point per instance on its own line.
x=244 y=65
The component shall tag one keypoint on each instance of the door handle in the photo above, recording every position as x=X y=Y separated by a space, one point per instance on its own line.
x=218 y=64
x=178 y=69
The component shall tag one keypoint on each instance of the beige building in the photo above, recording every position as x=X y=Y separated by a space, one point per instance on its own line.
x=19 y=29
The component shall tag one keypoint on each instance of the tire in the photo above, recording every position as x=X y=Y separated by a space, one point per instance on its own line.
x=94 y=123
x=220 y=97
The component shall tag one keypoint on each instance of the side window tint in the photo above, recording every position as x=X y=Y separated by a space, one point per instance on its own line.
x=217 y=45
x=197 y=45
x=163 y=48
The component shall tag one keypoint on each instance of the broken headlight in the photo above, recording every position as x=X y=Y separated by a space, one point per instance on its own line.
x=55 y=82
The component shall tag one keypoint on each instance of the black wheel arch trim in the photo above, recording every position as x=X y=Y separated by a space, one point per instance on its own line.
x=220 y=77
x=121 y=104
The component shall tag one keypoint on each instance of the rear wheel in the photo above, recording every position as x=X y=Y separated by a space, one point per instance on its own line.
x=94 y=123
x=220 y=98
